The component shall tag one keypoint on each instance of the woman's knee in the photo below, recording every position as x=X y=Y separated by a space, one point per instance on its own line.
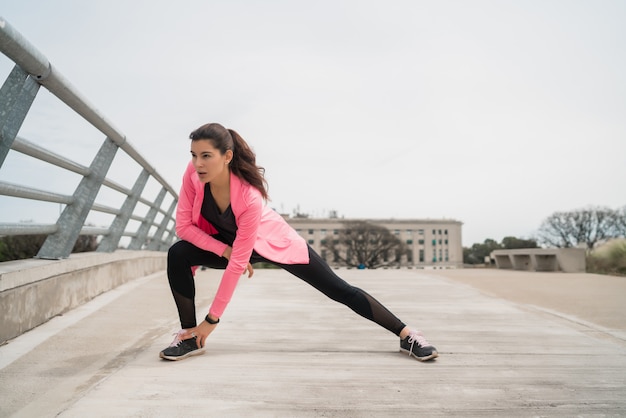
x=177 y=251
x=177 y=256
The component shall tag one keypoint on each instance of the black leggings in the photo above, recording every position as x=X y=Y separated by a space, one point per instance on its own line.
x=183 y=255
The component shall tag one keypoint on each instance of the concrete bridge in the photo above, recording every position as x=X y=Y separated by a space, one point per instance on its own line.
x=283 y=349
x=81 y=333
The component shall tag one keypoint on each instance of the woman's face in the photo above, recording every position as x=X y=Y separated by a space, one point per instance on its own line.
x=209 y=163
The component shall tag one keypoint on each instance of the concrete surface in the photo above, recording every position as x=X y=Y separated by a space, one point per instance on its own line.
x=33 y=291
x=284 y=350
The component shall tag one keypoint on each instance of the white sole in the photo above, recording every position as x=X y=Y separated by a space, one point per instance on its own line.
x=176 y=358
x=433 y=355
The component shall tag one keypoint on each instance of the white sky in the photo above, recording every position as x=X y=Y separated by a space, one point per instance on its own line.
x=493 y=113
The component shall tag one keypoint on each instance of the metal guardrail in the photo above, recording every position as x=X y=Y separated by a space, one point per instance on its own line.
x=32 y=70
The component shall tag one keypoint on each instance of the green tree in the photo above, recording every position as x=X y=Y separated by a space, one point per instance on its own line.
x=476 y=253
x=20 y=247
x=511 y=243
x=608 y=259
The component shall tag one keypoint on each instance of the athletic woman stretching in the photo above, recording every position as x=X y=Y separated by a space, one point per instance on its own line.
x=223 y=223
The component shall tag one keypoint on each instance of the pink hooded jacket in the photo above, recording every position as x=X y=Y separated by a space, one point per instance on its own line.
x=258 y=228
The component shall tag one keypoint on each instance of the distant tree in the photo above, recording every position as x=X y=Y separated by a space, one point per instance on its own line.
x=620 y=222
x=20 y=247
x=511 y=243
x=476 y=253
x=362 y=244
x=583 y=226
x=608 y=258
x=85 y=243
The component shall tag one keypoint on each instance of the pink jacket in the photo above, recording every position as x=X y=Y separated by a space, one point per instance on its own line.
x=258 y=228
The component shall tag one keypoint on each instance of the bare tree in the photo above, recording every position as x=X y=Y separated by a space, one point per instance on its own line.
x=620 y=222
x=583 y=226
x=362 y=244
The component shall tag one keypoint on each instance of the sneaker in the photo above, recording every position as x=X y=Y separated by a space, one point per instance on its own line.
x=181 y=349
x=416 y=345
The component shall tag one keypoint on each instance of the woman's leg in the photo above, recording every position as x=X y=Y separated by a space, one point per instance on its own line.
x=319 y=275
x=181 y=257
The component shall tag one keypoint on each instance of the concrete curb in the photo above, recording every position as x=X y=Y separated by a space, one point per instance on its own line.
x=34 y=291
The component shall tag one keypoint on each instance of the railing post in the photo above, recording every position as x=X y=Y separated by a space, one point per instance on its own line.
x=16 y=96
x=109 y=243
x=60 y=244
x=140 y=238
x=157 y=240
x=168 y=241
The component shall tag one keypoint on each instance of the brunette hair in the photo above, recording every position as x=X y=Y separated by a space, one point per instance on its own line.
x=243 y=164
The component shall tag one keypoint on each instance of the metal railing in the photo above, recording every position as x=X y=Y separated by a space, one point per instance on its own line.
x=156 y=230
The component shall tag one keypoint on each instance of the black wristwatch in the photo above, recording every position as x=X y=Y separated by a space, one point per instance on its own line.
x=210 y=321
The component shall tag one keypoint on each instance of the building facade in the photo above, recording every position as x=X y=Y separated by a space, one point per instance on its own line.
x=432 y=243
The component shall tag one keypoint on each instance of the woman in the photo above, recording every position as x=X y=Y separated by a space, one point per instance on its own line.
x=223 y=223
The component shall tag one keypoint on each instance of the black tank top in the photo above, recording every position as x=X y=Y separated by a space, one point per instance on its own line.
x=223 y=222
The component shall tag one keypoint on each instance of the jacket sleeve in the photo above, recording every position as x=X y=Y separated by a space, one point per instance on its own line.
x=247 y=226
x=186 y=229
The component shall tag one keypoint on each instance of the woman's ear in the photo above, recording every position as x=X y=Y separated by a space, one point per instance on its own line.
x=229 y=155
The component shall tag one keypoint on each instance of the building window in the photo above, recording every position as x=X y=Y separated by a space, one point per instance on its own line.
x=434 y=232
x=434 y=255
x=445 y=232
x=310 y=232
x=446 y=253
x=420 y=232
x=396 y=232
x=440 y=232
x=440 y=257
x=311 y=241
x=446 y=241
x=409 y=241
x=439 y=241
x=434 y=242
x=421 y=256
x=421 y=242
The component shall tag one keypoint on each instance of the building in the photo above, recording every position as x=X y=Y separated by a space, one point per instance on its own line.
x=432 y=243
x=567 y=260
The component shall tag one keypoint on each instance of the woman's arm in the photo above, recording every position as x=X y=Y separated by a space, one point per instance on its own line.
x=247 y=227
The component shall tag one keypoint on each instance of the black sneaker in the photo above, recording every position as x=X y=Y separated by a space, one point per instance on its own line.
x=181 y=349
x=416 y=345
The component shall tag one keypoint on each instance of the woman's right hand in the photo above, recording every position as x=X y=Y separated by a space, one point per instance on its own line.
x=228 y=251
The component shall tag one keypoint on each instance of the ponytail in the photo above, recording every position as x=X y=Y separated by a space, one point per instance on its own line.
x=243 y=164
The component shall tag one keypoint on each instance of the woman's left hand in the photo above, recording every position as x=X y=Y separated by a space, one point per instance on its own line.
x=201 y=332
x=249 y=269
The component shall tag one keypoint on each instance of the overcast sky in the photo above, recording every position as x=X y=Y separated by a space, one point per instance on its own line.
x=493 y=113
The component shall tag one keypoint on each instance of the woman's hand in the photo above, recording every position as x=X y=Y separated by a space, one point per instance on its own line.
x=228 y=251
x=201 y=332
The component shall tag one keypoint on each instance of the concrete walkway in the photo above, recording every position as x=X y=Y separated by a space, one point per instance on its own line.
x=284 y=350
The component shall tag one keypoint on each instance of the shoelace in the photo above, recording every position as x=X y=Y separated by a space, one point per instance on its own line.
x=177 y=339
x=417 y=337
